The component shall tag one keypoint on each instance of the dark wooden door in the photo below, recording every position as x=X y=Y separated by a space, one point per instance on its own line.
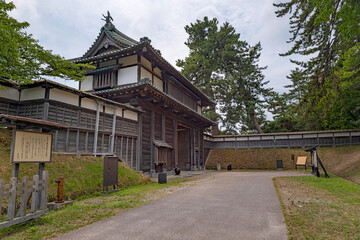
x=184 y=148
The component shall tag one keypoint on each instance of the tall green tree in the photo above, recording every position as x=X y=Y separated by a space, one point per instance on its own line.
x=226 y=68
x=23 y=60
x=328 y=33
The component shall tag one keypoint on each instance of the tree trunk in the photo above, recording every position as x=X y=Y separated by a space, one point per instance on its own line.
x=215 y=130
x=256 y=124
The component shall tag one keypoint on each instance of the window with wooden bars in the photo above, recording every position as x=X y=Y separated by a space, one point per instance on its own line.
x=104 y=79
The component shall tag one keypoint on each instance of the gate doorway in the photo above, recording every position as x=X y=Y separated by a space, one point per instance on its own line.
x=183 y=135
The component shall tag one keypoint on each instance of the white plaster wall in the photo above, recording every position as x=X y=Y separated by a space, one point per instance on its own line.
x=126 y=61
x=89 y=103
x=65 y=97
x=32 y=93
x=87 y=83
x=146 y=63
x=158 y=83
x=107 y=63
x=127 y=75
x=145 y=74
x=109 y=110
x=119 y=112
x=130 y=115
x=157 y=71
x=9 y=93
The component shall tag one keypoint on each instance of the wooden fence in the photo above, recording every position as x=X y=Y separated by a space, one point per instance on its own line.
x=285 y=140
x=18 y=210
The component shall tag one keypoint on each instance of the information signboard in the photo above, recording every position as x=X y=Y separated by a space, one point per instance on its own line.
x=32 y=147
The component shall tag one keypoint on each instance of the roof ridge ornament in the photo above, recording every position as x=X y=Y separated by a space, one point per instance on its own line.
x=108 y=20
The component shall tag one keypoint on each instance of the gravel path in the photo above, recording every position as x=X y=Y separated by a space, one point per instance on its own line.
x=224 y=205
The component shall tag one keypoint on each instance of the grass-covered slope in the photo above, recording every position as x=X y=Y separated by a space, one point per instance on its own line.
x=320 y=208
x=342 y=161
x=82 y=175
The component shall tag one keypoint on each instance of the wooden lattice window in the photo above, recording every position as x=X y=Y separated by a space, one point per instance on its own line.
x=104 y=79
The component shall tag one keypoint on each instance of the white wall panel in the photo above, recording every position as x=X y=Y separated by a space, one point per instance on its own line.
x=88 y=103
x=65 y=97
x=9 y=93
x=32 y=93
x=87 y=83
x=127 y=75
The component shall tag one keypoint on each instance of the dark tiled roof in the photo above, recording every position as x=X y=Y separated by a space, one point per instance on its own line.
x=114 y=34
x=31 y=120
x=129 y=44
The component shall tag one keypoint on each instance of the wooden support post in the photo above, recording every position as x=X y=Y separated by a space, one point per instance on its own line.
x=56 y=140
x=203 y=149
x=132 y=152
x=113 y=133
x=12 y=199
x=198 y=147
x=35 y=196
x=176 y=147
x=139 y=143
x=152 y=131
x=127 y=151
x=24 y=196
x=163 y=122
x=77 y=140
x=67 y=140
x=15 y=170
x=121 y=148
x=86 y=141
x=96 y=128
x=44 y=192
x=102 y=142
x=41 y=174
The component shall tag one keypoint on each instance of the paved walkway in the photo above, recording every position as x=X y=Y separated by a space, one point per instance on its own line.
x=226 y=205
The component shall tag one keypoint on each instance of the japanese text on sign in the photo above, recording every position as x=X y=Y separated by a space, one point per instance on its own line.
x=32 y=147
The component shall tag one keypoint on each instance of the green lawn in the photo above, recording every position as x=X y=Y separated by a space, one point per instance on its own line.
x=320 y=208
x=86 y=211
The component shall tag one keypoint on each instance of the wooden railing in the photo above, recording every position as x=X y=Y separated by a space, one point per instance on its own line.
x=294 y=139
x=18 y=212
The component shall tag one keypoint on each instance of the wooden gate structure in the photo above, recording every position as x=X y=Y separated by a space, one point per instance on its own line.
x=19 y=210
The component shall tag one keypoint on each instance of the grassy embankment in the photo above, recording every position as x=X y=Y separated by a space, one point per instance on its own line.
x=82 y=176
x=341 y=161
x=320 y=208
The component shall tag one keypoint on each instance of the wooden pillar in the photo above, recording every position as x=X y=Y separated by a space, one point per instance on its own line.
x=86 y=141
x=176 y=147
x=132 y=153
x=139 y=143
x=139 y=68
x=96 y=128
x=152 y=131
x=67 y=140
x=56 y=140
x=77 y=140
x=203 y=148
x=198 y=147
x=163 y=129
x=113 y=133
x=127 y=151
x=46 y=104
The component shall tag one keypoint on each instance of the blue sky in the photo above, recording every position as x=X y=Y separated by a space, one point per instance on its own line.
x=69 y=27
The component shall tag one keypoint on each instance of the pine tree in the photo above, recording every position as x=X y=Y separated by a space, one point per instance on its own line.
x=226 y=68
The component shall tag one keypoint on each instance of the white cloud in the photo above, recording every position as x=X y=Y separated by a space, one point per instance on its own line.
x=69 y=27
